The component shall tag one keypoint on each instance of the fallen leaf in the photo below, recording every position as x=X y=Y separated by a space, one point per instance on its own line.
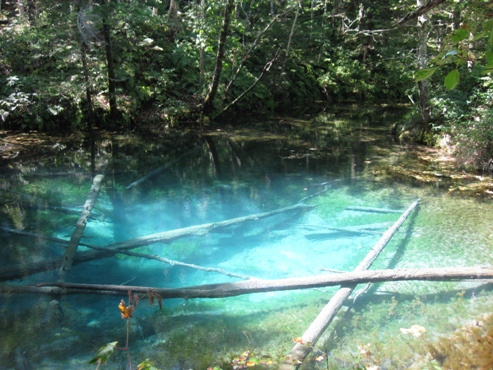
x=415 y=330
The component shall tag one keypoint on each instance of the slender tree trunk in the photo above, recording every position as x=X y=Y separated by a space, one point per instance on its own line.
x=424 y=97
x=111 y=72
x=21 y=8
x=292 y=28
x=90 y=111
x=201 y=49
x=207 y=106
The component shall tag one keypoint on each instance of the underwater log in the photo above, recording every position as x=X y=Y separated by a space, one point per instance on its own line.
x=374 y=210
x=19 y=271
x=223 y=290
x=72 y=245
x=161 y=168
x=299 y=351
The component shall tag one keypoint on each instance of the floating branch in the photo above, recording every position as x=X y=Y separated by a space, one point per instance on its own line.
x=264 y=286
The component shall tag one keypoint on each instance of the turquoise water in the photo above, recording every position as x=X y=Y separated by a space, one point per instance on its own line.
x=331 y=162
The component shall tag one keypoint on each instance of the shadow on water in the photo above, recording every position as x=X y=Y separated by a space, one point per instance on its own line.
x=161 y=181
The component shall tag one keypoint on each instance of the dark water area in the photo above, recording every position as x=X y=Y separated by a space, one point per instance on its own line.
x=164 y=180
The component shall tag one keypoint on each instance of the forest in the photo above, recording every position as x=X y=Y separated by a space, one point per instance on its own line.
x=261 y=170
x=122 y=64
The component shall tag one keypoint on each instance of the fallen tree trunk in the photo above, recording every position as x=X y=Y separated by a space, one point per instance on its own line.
x=325 y=317
x=160 y=169
x=16 y=272
x=264 y=286
x=134 y=254
x=374 y=210
x=72 y=245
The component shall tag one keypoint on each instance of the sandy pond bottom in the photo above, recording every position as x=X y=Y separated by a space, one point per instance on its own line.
x=394 y=325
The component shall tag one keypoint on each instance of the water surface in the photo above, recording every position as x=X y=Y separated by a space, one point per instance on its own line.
x=172 y=180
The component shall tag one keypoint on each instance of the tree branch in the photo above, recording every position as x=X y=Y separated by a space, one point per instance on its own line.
x=431 y=4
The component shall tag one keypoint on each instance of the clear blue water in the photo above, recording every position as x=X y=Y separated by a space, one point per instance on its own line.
x=199 y=179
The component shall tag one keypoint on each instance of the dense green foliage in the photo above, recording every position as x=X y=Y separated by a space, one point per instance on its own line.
x=122 y=63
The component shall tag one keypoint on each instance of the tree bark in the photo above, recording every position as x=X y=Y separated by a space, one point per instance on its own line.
x=263 y=286
x=129 y=253
x=423 y=90
x=207 y=106
x=371 y=209
x=291 y=34
x=110 y=66
x=90 y=110
x=422 y=9
x=299 y=352
x=79 y=228
x=19 y=271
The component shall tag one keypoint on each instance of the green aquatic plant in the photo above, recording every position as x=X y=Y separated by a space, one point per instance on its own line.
x=470 y=347
x=126 y=312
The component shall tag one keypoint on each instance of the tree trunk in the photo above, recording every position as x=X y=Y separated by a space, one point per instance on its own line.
x=19 y=271
x=110 y=65
x=299 y=352
x=79 y=228
x=291 y=34
x=423 y=91
x=371 y=209
x=90 y=110
x=202 y=47
x=263 y=286
x=207 y=106
x=422 y=10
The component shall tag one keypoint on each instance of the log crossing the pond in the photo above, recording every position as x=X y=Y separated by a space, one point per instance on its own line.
x=16 y=272
x=263 y=286
x=300 y=350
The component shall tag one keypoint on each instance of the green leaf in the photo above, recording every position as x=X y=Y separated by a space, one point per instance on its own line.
x=452 y=79
x=146 y=365
x=460 y=34
x=489 y=58
x=424 y=73
x=104 y=353
x=488 y=25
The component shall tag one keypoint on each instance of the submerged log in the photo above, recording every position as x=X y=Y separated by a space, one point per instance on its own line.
x=134 y=254
x=299 y=352
x=374 y=210
x=160 y=169
x=16 y=272
x=72 y=245
x=263 y=286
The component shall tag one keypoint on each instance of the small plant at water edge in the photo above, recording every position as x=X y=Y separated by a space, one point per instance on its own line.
x=126 y=312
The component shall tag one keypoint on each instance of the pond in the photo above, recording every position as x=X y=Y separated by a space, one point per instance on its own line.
x=165 y=180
